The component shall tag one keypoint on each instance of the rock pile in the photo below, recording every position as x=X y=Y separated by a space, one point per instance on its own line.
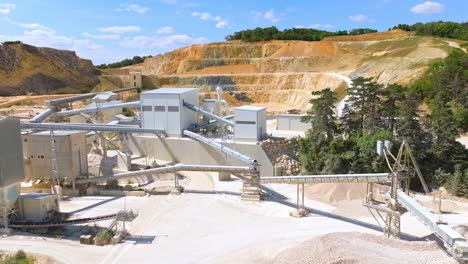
x=288 y=165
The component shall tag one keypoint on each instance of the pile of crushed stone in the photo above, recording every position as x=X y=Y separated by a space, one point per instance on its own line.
x=347 y=248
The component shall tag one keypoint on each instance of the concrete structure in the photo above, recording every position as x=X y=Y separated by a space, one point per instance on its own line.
x=250 y=122
x=11 y=166
x=71 y=154
x=188 y=151
x=37 y=207
x=163 y=109
x=11 y=153
x=291 y=122
x=136 y=79
x=8 y=196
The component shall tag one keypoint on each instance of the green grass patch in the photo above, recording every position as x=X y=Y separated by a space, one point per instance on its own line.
x=19 y=257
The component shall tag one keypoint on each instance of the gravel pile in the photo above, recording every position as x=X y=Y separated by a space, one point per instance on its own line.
x=341 y=248
x=288 y=165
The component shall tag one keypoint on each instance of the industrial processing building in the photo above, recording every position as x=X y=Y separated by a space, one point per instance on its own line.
x=70 y=149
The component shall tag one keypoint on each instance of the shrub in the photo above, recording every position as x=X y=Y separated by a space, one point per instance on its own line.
x=104 y=237
x=19 y=257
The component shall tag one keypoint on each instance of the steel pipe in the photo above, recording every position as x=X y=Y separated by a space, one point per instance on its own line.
x=60 y=101
x=97 y=109
x=90 y=127
x=208 y=114
x=43 y=115
x=168 y=169
x=222 y=148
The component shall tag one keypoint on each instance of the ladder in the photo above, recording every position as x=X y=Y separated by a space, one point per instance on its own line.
x=53 y=159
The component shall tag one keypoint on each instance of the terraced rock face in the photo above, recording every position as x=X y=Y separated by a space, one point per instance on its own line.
x=26 y=69
x=281 y=74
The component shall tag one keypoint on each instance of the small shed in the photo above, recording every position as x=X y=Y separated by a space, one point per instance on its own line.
x=37 y=207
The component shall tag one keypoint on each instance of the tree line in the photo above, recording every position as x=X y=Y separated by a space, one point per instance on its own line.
x=444 y=29
x=123 y=63
x=373 y=111
x=307 y=34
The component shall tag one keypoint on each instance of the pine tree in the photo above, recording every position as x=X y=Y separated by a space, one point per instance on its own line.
x=363 y=98
x=322 y=114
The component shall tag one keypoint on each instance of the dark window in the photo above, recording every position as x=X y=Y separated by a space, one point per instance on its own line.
x=25 y=140
x=134 y=83
x=245 y=122
x=134 y=77
x=173 y=108
x=159 y=108
x=32 y=156
x=147 y=108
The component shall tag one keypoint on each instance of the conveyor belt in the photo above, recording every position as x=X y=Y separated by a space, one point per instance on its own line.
x=60 y=101
x=61 y=223
x=97 y=109
x=168 y=169
x=208 y=114
x=451 y=238
x=90 y=127
x=368 y=177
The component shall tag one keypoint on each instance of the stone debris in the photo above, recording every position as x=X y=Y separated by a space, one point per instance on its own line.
x=288 y=165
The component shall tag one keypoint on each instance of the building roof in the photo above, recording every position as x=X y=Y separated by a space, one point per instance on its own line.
x=170 y=91
x=37 y=196
x=106 y=96
x=56 y=133
x=250 y=107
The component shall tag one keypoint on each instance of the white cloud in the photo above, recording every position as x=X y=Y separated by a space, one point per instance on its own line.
x=101 y=36
x=220 y=22
x=321 y=26
x=359 y=18
x=27 y=25
x=6 y=8
x=268 y=15
x=42 y=36
x=164 y=42
x=165 y=30
x=203 y=16
x=119 y=29
x=428 y=7
x=133 y=8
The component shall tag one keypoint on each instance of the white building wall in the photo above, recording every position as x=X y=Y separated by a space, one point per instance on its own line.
x=250 y=123
x=163 y=109
x=70 y=150
x=292 y=122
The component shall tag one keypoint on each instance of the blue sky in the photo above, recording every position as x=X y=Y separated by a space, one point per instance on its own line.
x=108 y=31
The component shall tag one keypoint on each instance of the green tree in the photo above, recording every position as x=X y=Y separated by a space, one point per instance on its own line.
x=363 y=99
x=322 y=114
